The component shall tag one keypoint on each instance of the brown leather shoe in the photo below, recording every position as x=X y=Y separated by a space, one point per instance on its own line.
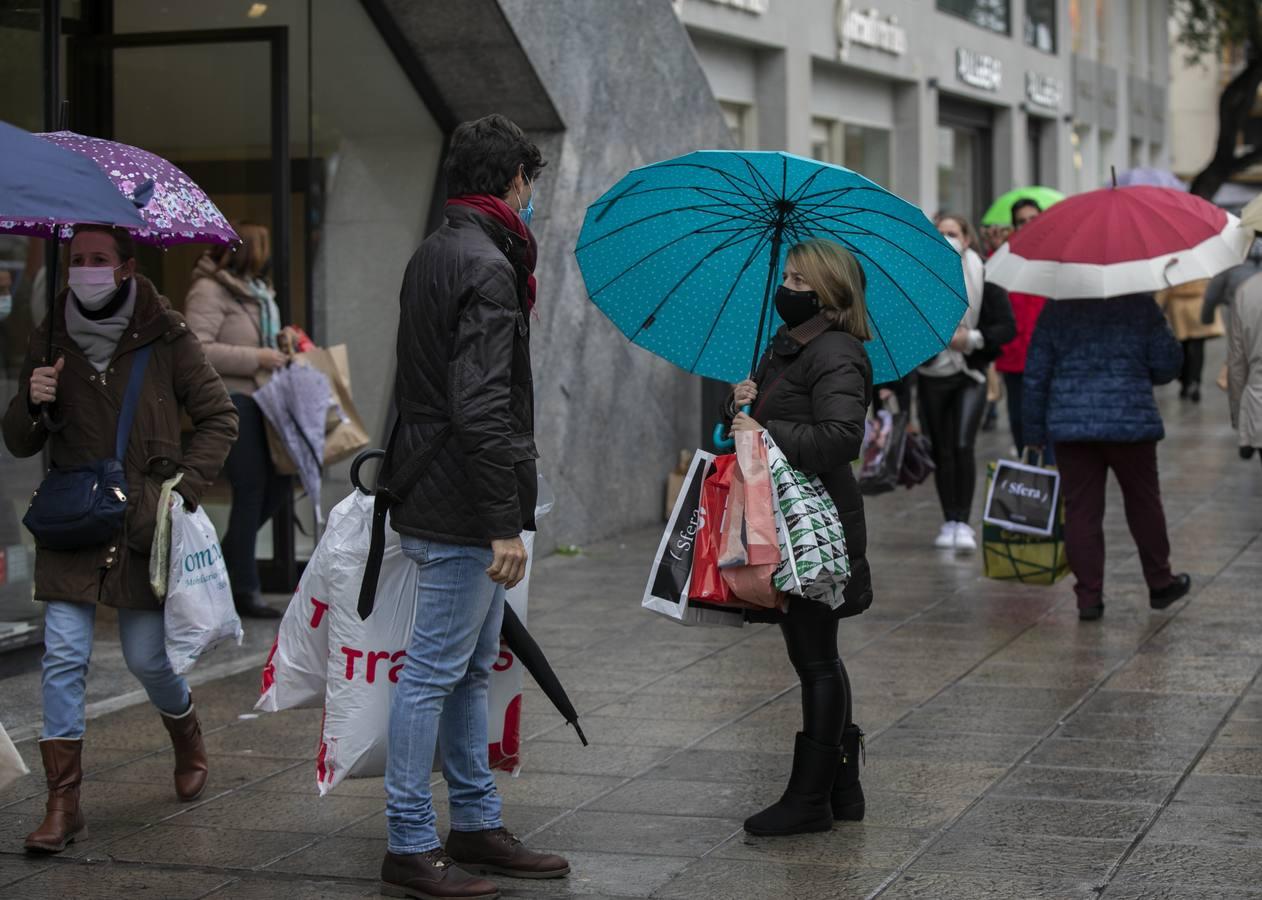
x=498 y=852
x=191 y=767
x=431 y=876
x=63 y=821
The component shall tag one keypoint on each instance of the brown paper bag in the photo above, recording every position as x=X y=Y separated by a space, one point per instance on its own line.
x=345 y=434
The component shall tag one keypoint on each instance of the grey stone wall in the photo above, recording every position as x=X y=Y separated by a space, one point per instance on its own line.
x=611 y=418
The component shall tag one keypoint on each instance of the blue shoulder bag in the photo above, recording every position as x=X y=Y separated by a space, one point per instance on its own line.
x=85 y=506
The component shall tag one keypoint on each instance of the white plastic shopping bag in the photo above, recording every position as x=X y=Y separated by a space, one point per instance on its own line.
x=297 y=668
x=364 y=656
x=12 y=767
x=198 y=613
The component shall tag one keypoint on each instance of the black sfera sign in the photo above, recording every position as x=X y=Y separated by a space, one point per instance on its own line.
x=1023 y=498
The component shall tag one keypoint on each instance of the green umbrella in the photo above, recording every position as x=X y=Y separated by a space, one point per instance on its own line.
x=1000 y=212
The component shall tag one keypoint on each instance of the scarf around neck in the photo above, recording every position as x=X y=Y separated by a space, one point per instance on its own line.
x=500 y=212
x=98 y=337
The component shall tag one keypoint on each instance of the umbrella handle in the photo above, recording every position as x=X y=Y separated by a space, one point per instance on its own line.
x=722 y=439
x=359 y=461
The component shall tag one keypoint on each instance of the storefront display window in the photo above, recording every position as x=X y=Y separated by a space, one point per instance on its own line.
x=994 y=15
x=867 y=151
x=1040 y=24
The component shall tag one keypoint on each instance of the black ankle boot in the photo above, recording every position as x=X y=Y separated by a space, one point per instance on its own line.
x=804 y=806
x=847 y=798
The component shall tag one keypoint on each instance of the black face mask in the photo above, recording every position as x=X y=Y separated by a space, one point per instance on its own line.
x=796 y=307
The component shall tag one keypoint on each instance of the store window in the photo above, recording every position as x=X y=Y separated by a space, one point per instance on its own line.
x=826 y=141
x=1137 y=153
x=1040 y=24
x=958 y=153
x=867 y=151
x=994 y=15
x=1034 y=148
x=740 y=122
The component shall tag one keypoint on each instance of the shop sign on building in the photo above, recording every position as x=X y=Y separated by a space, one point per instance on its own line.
x=1043 y=90
x=868 y=28
x=979 y=70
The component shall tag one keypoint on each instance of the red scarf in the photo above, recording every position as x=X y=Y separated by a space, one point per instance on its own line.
x=496 y=209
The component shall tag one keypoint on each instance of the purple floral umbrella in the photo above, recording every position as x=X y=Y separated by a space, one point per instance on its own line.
x=175 y=209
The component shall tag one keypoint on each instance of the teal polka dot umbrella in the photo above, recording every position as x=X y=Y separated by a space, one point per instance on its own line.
x=684 y=256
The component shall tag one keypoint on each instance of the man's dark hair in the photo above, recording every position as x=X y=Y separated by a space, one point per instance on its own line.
x=486 y=153
x=1022 y=204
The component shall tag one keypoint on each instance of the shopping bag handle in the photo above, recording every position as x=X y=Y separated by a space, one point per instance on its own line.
x=1027 y=457
x=723 y=440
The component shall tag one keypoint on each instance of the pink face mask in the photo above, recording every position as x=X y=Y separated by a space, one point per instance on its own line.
x=92 y=285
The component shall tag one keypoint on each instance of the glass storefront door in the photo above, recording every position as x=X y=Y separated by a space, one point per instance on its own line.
x=965 y=176
x=227 y=130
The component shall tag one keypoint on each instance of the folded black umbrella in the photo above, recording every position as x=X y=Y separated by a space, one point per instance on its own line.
x=527 y=650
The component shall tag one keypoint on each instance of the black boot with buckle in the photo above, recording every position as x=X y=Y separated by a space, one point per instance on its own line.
x=847 y=798
x=805 y=806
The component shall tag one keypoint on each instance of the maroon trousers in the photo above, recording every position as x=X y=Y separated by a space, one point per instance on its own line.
x=1084 y=468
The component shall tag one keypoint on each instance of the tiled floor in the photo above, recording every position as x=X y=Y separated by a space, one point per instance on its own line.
x=1012 y=751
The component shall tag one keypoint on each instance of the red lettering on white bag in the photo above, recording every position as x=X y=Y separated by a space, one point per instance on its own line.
x=320 y=610
x=351 y=656
x=504 y=662
x=395 y=670
x=373 y=658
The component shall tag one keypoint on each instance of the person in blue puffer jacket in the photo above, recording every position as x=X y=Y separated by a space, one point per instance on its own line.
x=1089 y=377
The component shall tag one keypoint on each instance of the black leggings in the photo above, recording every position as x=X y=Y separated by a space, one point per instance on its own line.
x=951 y=412
x=1193 y=362
x=810 y=635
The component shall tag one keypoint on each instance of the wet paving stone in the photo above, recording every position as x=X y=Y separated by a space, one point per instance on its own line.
x=257 y=888
x=1231 y=761
x=253 y=811
x=1221 y=790
x=335 y=857
x=1007 y=855
x=1125 y=889
x=1058 y=818
x=1189 y=823
x=1189 y=729
x=110 y=882
x=729 y=800
x=934 y=886
x=222 y=848
x=655 y=835
x=1205 y=867
x=849 y=845
x=1087 y=784
x=742 y=880
x=1114 y=754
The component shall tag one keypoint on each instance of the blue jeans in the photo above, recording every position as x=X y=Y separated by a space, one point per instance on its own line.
x=441 y=695
x=68 y=629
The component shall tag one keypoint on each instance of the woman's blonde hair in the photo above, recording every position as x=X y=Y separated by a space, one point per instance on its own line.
x=838 y=281
x=251 y=257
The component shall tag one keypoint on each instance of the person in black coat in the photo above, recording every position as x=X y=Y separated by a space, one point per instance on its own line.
x=811 y=393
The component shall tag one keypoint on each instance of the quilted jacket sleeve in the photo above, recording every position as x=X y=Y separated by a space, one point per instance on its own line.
x=1039 y=364
x=839 y=401
x=204 y=308
x=1165 y=356
x=202 y=395
x=479 y=394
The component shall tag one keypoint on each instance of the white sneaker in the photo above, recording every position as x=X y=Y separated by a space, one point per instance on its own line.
x=965 y=537
x=946 y=537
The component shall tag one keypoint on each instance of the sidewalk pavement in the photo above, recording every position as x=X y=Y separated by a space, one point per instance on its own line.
x=1012 y=751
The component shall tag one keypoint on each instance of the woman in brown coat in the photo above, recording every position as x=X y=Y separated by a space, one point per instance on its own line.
x=1183 y=304
x=108 y=314
x=231 y=309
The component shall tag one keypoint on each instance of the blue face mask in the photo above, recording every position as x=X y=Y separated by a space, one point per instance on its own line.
x=528 y=211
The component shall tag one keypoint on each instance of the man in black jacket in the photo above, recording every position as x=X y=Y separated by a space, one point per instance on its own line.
x=466 y=424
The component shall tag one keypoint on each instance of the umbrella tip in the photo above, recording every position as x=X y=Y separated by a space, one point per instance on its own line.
x=582 y=737
x=1113 y=171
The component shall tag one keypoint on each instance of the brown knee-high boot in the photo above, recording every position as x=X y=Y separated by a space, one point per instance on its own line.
x=63 y=821
x=191 y=767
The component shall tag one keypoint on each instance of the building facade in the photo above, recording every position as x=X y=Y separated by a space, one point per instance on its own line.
x=327 y=122
x=946 y=102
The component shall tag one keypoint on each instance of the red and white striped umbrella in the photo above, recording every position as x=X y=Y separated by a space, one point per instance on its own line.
x=1119 y=240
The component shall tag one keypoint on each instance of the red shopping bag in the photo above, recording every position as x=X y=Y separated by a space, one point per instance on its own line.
x=750 y=546
x=707 y=583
